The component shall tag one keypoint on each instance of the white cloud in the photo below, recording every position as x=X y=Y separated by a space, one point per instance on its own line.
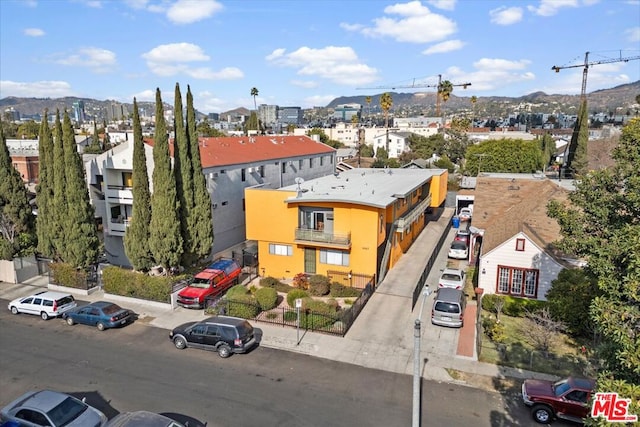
x=337 y=64
x=96 y=4
x=633 y=34
x=33 y=32
x=40 y=89
x=171 y=59
x=448 y=46
x=506 y=15
x=443 y=4
x=312 y=101
x=189 y=11
x=351 y=27
x=415 y=24
x=144 y=96
x=551 y=7
x=491 y=74
x=98 y=59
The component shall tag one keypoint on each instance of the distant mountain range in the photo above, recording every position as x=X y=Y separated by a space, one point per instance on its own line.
x=617 y=100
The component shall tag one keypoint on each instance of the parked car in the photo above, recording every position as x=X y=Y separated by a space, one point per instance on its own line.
x=452 y=278
x=51 y=408
x=465 y=214
x=210 y=282
x=101 y=314
x=223 y=334
x=448 y=307
x=566 y=399
x=458 y=250
x=463 y=235
x=45 y=304
x=142 y=419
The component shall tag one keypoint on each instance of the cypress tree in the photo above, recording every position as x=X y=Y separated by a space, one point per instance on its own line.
x=59 y=202
x=15 y=212
x=577 y=155
x=81 y=237
x=202 y=219
x=136 y=238
x=184 y=179
x=165 y=240
x=44 y=190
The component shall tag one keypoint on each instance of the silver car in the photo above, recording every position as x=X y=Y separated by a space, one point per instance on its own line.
x=142 y=419
x=51 y=408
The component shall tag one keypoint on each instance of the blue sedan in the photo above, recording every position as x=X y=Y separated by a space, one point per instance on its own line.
x=101 y=314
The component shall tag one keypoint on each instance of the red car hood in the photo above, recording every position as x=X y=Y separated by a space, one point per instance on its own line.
x=192 y=292
x=539 y=388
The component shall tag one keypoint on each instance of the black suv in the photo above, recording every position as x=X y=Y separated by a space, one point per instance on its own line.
x=223 y=334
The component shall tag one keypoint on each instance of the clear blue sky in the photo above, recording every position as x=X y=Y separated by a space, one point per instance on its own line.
x=307 y=52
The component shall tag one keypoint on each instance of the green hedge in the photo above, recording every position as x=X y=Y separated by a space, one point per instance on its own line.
x=338 y=290
x=294 y=294
x=267 y=298
x=513 y=306
x=244 y=306
x=128 y=283
x=67 y=275
x=272 y=282
x=237 y=290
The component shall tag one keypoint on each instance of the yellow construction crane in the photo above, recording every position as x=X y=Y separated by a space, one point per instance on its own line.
x=419 y=86
x=587 y=64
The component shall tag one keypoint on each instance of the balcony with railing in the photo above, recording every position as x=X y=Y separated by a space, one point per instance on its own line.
x=409 y=217
x=118 y=226
x=323 y=238
x=119 y=193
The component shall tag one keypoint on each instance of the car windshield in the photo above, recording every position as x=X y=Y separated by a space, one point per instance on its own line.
x=67 y=411
x=561 y=387
x=110 y=309
x=199 y=283
x=66 y=300
x=459 y=245
x=450 y=276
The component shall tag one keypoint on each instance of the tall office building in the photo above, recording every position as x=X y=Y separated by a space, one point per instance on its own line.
x=268 y=114
x=290 y=115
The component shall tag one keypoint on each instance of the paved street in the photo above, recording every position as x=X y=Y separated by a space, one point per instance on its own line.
x=137 y=367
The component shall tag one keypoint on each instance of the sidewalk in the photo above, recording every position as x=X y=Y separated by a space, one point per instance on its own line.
x=389 y=354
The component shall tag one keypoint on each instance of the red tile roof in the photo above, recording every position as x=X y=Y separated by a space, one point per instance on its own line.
x=233 y=150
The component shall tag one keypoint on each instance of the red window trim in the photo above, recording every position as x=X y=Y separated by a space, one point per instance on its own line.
x=520 y=245
x=524 y=275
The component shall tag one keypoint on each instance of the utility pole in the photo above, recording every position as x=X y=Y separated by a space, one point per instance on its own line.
x=480 y=157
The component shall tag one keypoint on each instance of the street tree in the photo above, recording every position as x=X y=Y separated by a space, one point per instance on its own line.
x=16 y=221
x=201 y=218
x=81 y=243
x=386 y=102
x=59 y=204
x=184 y=178
x=367 y=99
x=204 y=129
x=28 y=130
x=504 y=155
x=602 y=226
x=136 y=238
x=165 y=240
x=44 y=190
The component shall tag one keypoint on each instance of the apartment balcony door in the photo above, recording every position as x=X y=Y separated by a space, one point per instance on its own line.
x=310 y=260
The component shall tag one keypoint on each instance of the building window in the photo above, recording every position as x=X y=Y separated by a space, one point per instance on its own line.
x=520 y=245
x=300 y=164
x=244 y=174
x=519 y=282
x=321 y=160
x=310 y=163
x=334 y=257
x=284 y=167
x=284 y=250
x=330 y=160
x=262 y=171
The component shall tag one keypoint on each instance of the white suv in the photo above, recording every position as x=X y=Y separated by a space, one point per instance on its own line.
x=46 y=304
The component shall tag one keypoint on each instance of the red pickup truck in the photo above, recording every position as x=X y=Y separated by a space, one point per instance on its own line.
x=212 y=281
x=567 y=399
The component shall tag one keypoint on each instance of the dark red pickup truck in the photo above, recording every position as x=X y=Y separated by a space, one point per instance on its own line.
x=213 y=280
x=567 y=399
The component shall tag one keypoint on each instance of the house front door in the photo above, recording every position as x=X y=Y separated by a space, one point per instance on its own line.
x=310 y=260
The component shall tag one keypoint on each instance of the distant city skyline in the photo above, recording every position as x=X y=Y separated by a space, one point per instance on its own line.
x=308 y=53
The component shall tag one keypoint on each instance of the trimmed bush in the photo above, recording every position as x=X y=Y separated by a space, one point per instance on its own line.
x=294 y=294
x=67 y=275
x=237 y=290
x=517 y=307
x=319 y=285
x=128 y=283
x=267 y=298
x=244 y=306
x=338 y=290
x=269 y=282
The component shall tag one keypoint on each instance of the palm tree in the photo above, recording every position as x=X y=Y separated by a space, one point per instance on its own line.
x=254 y=93
x=385 y=103
x=474 y=99
x=444 y=91
x=368 y=101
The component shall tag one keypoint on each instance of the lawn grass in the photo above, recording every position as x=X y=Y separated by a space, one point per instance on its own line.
x=564 y=358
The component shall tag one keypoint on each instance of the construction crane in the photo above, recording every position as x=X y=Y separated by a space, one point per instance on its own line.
x=419 y=86
x=587 y=64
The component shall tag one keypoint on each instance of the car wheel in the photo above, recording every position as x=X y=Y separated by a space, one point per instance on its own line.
x=44 y=315
x=542 y=414
x=180 y=343
x=100 y=326
x=224 y=351
x=14 y=310
x=70 y=321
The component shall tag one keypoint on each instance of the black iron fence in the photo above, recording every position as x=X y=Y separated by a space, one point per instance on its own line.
x=337 y=323
x=417 y=291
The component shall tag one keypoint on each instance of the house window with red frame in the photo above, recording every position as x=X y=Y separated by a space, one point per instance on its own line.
x=519 y=282
x=520 y=245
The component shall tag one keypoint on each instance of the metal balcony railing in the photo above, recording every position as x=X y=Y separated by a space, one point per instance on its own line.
x=319 y=236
